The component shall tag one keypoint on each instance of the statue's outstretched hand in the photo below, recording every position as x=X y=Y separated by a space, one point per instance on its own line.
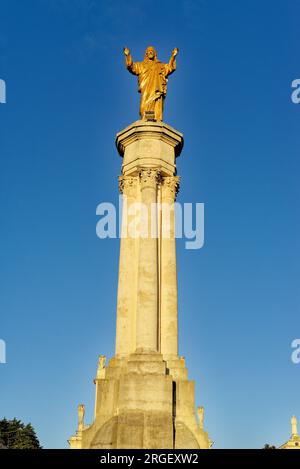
x=126 y=51
x=175 y=52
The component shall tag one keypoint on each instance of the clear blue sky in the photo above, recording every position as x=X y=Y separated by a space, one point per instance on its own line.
x=68 y=93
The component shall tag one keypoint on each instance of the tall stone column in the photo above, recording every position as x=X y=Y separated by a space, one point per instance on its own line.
x=144 y=399
x=126 y=303
x=147 y=292
x=168 y=271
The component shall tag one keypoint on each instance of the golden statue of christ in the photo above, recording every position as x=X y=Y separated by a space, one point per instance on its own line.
x=152 y=75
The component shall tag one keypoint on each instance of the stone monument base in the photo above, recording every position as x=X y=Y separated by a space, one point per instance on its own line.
x=143 y=402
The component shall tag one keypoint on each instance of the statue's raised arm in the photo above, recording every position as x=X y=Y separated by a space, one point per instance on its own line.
x=171 y=66
x=128 y=58
x=152 y=76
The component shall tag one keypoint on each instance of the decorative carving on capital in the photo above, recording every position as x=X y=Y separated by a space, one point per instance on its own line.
x=170 y=185
x=127 y=185
x=149 y=178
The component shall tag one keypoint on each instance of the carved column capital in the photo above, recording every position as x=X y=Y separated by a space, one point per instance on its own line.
x=127 y=185
x=149 y=178
x=170 y=185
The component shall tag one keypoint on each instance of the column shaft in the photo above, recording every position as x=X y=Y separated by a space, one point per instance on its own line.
x=147 y=294
x=126 y=303
x=168 y=270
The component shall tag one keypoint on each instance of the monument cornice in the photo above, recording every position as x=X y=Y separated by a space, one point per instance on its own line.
x=143 y=129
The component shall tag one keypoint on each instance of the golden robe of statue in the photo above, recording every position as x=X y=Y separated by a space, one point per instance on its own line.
x=152 y=75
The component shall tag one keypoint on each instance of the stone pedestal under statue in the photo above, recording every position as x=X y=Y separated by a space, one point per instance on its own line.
x=144 y=398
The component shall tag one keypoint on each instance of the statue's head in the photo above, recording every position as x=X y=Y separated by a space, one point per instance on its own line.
x=150 y=53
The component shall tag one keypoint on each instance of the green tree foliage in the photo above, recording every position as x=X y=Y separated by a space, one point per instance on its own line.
x=15 y=435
